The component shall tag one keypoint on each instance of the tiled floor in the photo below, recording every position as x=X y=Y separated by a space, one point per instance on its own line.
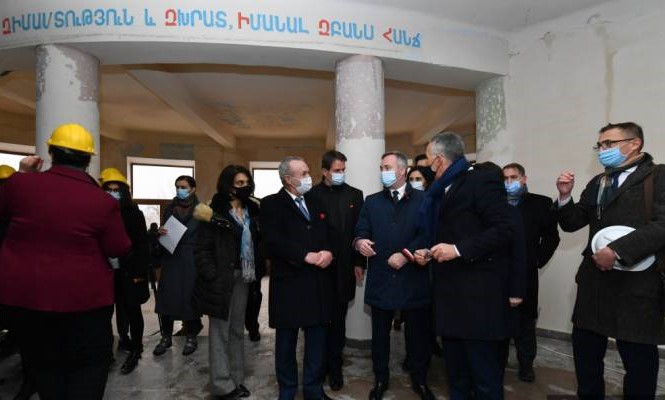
x=174 y=376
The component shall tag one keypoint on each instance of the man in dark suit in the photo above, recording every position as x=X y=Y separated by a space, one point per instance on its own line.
x=469 y=223
x=623 y=304
x=56 y=283
x=542 y=238
x=301 y=285
x=388 y=230
x=342 y=204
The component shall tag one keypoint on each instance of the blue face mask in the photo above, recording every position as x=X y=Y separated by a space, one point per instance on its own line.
x=182 y=193
x=611 y=158
x=417 y=185
x=388 y=178
x=337 y=179
x=116 y=195
x=513 y=188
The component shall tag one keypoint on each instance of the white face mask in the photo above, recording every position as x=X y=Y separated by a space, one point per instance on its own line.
x=417 y=185
x=337 y=178
x=305 y=184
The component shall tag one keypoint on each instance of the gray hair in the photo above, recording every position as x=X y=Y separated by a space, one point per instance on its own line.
x=448 y=144
x=402 y=161
x=284 y=168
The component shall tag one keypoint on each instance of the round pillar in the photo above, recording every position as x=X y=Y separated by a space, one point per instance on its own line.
x=360 y=128
x=67 y=92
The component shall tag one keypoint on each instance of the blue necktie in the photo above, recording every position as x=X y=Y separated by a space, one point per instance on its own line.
x=302 y=208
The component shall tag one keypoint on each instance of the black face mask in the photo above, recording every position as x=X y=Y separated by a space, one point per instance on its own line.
x=243 y=193
x=428 y=174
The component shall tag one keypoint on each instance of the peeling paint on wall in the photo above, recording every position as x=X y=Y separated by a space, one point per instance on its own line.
x=43 y=60
x=84 y=68
x=490 y=111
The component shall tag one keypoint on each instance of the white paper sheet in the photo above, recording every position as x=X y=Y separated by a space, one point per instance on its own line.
x=175 y=229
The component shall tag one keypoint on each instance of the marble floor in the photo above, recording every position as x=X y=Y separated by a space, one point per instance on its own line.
x=174 y=376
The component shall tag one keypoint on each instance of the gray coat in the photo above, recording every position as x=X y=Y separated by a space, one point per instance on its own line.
x=174 y=295
x=620 y=304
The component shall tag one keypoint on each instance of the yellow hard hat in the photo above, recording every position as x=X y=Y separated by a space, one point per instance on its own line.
x=112 y=175
x=6 y=171
x=73 y=137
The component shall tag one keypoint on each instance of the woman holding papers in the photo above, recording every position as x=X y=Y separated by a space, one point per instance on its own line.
x=131 y=275
x=226 y=256
x=176 y=283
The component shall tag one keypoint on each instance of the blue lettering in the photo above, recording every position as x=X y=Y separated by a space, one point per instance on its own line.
x=127 y=19
x=147 y=19
x=221 y=19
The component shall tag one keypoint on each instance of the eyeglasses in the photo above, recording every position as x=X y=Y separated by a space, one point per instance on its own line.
x=606 y=144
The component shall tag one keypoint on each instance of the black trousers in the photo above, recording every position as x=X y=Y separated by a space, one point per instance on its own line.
x=418 y=332
x=65 y=355
x=192 y=326
x=525 y=344
x=128 y=317
x=474 y=370
x=639 y=360
x=254 y=298
x=336 y=339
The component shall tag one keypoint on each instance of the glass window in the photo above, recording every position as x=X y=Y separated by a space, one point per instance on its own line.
x=156 y=181
x=267 y=181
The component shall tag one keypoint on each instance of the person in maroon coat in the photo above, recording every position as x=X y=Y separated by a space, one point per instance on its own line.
x=56 y=283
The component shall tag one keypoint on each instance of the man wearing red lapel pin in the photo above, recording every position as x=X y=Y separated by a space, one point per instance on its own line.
x=301 y=284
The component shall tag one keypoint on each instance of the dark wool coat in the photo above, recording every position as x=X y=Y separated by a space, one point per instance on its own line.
x=135 y=264
x=174 y=294
x=621 y=304
x=342 y=204
x=542 y=238
x=471 y=292
x=300 y=294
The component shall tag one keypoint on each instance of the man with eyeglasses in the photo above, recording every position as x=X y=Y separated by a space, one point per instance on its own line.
x=622 y=304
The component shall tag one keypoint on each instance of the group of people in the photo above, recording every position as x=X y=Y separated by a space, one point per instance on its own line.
x=455 y=247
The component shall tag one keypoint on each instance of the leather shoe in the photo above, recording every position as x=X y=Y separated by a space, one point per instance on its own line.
x=254 y=336
x=335 y=381
x=424 y=392
x=130 y=363
x=161 y=347
x=190 y=346
x=244 y=392
x=527 y=374
x=378 y=390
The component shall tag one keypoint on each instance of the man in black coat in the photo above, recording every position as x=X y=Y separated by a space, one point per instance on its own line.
x=623 y=304
x=542 y=238
x=301 y=285
x=342 y=204
x=471 y=228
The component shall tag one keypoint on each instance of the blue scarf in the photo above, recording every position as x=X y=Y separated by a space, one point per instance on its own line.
x=428 y=214
x=246 y=247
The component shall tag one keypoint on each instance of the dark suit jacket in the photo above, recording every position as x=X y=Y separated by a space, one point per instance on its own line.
x=621 y=304
x=342 y=205
x=542 y=238
x=300 y=293
x=471 y=292
x=62 y=230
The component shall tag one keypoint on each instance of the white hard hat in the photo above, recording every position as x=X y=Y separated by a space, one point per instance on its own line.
x=609 y=234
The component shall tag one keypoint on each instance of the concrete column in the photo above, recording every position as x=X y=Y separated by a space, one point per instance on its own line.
x=360 y=127
x=67 y=92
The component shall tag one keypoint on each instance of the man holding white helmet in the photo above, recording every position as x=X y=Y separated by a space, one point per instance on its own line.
x=615 y=297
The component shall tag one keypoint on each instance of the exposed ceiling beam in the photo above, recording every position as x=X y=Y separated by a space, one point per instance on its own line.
x=170 y=89
x=451 y=111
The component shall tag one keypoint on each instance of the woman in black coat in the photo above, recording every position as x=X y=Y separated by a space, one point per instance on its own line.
x=131 y=271
x=226 y=257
